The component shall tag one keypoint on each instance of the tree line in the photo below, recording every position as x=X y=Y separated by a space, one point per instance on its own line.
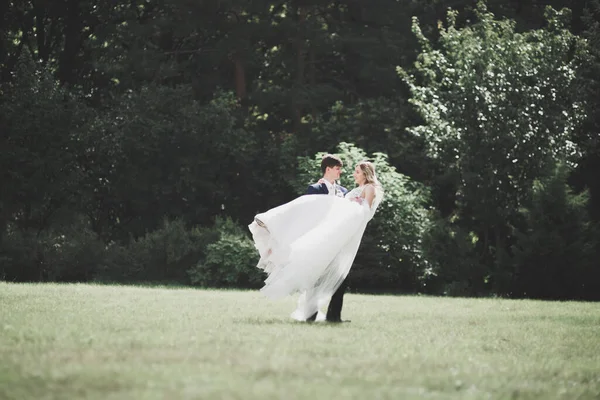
x=139 y=138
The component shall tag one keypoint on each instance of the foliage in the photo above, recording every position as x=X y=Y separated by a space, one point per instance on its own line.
x=499 y=107
x=116 y=115
x=230 y=261
x=164 y=254
x=455 y=267
x=161 y=153
x=557 y=245
x=43 y=130
x=390 y=257
x=378 y=126
x=588 y=136
x=68 y=250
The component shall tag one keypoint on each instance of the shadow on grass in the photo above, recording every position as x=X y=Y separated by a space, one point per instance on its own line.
x=286 y=321
x=167 y=285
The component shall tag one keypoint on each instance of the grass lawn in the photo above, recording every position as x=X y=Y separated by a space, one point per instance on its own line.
x=121 y=342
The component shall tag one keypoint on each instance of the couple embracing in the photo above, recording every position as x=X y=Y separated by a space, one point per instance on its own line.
x=308 y=245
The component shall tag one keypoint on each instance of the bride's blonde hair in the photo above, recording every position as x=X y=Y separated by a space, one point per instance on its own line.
x=368 y=169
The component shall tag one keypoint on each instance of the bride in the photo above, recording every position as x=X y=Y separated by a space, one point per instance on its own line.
x=308 y=245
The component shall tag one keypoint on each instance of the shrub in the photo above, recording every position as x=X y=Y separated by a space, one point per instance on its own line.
x=555 y=254
x=230 y=261
x=455 y=267
x=67 y=251
x=162 y=255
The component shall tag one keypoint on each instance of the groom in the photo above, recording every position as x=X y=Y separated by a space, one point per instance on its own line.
x=331 y=167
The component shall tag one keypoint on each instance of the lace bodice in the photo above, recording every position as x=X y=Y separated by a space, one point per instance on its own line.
x=358 y=191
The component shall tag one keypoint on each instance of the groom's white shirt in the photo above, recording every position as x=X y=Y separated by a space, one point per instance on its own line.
x=331 y=187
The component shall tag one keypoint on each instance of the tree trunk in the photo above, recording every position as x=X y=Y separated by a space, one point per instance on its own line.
x=312 y=78
x=72 y=34
x=237 y=28
x=40 y=32
x=240 y=77
x=500 y=273
x=300 y=66
x=3 y=32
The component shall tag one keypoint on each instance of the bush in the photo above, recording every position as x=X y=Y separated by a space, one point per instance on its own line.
x=455 y=267
x=19 y=259
x=552 y=251
x=230 y=261
x=67 y=251
x=555 y=254
x=218 y=256
x=162 y=255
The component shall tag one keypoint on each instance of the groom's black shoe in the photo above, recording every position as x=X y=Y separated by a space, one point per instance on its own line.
x=312 y=318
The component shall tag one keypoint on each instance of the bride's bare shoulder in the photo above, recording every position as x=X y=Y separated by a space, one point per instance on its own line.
x=369 y=188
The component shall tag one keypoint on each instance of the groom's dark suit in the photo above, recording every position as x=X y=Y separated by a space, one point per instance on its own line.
x=334 y=311
x=321 y=188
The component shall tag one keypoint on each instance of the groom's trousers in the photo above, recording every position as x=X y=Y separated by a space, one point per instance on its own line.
x=334 y=311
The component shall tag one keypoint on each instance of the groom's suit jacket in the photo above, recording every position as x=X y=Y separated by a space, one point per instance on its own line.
x=321 y=188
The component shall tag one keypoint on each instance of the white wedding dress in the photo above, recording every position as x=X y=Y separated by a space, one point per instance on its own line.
x=308 y=246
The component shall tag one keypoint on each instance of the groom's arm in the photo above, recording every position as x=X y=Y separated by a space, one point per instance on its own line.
x=312 y=190
x=317 y=188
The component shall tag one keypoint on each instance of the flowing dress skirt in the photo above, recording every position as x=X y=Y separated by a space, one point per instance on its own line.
x=308 y=246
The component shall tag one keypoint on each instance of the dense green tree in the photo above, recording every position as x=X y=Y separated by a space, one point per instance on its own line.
x=43 y=141
x=556 y=245
x=588 y=137
x=500 y=107
x=164 y=154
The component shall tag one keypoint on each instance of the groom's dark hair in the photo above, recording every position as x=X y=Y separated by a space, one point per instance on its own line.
x=330 y=161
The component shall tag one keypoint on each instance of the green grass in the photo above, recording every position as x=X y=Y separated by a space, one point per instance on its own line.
x=119 y=342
